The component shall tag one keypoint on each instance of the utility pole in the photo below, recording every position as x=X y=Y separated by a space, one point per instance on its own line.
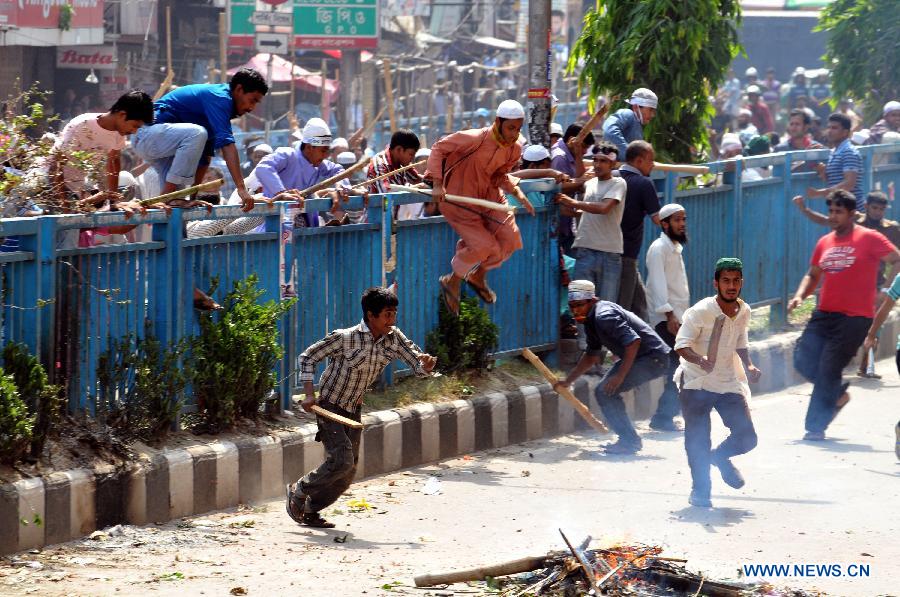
x=539 y=71
x=348 y=96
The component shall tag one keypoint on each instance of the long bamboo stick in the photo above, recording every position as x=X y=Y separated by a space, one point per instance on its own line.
x=526 y=564
x=389 y=93
x=212 y=185
x=389 y=174
x=595 y=119
x=459 y=199
x=336 y=178
x=563 y=391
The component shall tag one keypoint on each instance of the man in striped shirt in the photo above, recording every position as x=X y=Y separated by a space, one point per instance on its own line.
x=356 y=358
x=844 y=168
x=400 y=152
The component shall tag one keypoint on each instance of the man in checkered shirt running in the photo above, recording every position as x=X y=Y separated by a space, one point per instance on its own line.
x=356 y=357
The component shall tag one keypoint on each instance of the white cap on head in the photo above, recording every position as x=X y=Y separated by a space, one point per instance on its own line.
x=730 y=141
x=339 y=142
x=754 y=89
x=346 y=158
x=556 y=129
x=316 y=132
x=262 y=148
x=890 y=137
x=643 y=97
x=581 y=290
x=799 y=71
x=751 y=72
x=423 y=152
x=535 y=153
x=126 y=179
x=745 y=112
x=668 y=209
x=860 y=137
x=891 y=106
x=510 y=109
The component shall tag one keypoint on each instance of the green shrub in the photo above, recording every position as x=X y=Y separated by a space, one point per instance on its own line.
x=235 y=357
x=44 y=401
x=142 y=385
x=15 y=422
x=463 y=342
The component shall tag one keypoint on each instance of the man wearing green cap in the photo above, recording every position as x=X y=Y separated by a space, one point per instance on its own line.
x=714 y=373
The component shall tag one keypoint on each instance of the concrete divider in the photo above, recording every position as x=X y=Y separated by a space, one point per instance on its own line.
x=173 y=483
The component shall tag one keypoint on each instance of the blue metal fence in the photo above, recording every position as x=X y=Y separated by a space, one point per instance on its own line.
x=70 y=305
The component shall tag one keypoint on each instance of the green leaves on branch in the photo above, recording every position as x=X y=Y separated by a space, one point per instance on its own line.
x=234 y=357
x=43 y=401
x=863 y=50
x=681 y=49
x=463 y=342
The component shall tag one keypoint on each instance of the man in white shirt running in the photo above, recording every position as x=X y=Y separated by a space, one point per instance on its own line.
x=668 y=298
x=715 y=368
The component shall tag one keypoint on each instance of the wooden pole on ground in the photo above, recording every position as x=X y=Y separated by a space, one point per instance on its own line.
x=565 y=392
x=506 y=568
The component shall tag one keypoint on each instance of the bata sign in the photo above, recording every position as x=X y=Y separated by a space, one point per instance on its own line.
x=98 y=57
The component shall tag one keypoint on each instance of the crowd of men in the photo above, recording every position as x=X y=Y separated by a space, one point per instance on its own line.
x=652 y=330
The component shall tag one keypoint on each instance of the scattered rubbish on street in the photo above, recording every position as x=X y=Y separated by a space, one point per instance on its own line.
x=432 y=486
x=359 y=505
x=623 y=570
x=238 y=591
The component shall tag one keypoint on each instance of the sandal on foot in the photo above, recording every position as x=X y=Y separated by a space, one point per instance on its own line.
x=294 y=508
x=451 y=299
x=314 y=519
x=206 y=303
x=483 y=292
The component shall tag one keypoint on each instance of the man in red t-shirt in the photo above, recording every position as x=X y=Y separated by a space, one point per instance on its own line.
x=848 y=259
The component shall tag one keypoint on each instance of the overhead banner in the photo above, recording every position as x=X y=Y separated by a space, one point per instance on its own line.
x=49 y=14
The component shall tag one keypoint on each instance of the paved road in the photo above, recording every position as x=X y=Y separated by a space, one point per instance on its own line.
x=827 y=503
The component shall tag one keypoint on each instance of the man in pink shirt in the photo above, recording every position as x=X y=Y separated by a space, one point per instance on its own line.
x=476 y=163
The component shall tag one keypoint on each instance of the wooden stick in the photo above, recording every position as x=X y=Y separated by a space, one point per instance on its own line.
x=686 y=168
x=583 y=410
x=389 y=174
x=506 y=568
x=336 y=417
x=212 y=185
x=459 y=199
x=336 y=178
x=595 y=119
x=389 y=94
x=170 y=73
x=714 y=338
x=585 y=566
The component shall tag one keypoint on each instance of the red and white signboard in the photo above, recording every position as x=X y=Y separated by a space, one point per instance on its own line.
x=96 y=57
x=44 y=14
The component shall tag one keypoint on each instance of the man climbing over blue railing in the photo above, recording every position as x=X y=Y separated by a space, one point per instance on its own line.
x=193 y=122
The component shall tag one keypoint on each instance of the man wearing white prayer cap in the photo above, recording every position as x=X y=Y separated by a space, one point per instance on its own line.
x=288 y=170
x=643 y=356
x=556 y=133
x=534 y=155
x=477 y=163
x=339 y=145
x=668 y=297
x=890 y=122
x=627 y=125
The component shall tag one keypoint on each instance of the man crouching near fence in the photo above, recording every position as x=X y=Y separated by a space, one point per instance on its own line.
x=356 y=357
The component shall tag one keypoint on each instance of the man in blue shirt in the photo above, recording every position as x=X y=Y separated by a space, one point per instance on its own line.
x=194 y=121
x=844 y=168
x=640 y=200
x=627 y=125
x=643 y=356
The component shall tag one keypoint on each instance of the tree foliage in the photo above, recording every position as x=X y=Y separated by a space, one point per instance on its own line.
x=681 y=49
x=863 y=51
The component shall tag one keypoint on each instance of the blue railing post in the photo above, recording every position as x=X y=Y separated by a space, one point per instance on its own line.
x=40 y=295
x=778 y=311
x=867 y=173
x=737 y=205
x=167 y=310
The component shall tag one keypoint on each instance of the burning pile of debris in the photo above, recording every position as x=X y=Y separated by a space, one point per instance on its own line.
x=633 y=571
